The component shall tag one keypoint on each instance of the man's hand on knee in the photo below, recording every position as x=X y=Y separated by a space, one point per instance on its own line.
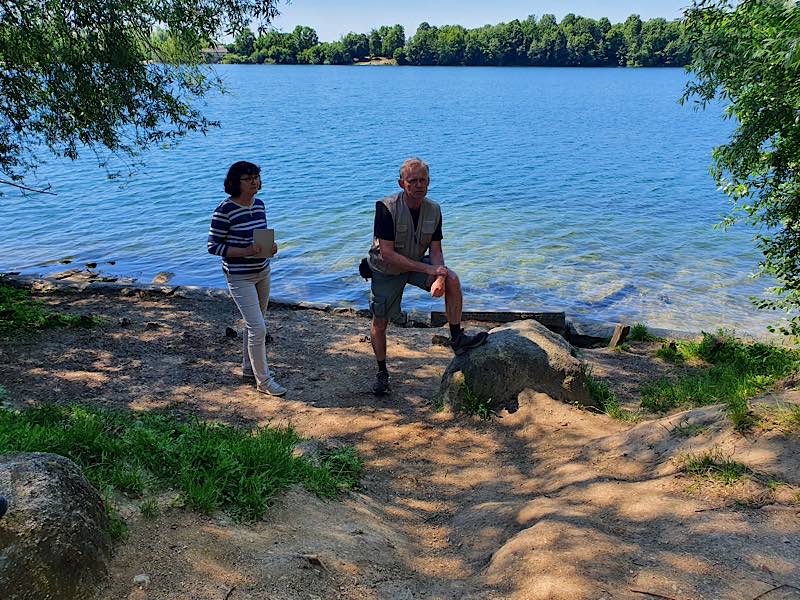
x=437 y=289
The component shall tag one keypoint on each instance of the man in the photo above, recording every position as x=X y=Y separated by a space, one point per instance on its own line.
x=407 y=226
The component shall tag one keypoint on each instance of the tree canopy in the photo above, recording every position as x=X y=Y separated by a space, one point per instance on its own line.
x=574 y=42
x=90 y=75
x=748 y=55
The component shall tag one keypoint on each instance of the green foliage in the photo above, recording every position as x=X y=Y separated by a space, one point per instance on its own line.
x=149 y=508
x=670 y=353
x=18 y=312
x=738 y=372
x=601 y=394
x=213 y=466
x=786 y=418
x=82 y=77
x=639 y=333
x=748 y=56
x=576 y=41
x=713 y=465
x=116 y=527
x=472 y=404
x=688 y=429
x=437 y=403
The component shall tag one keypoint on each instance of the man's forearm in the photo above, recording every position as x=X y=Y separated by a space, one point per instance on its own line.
x=402 y=262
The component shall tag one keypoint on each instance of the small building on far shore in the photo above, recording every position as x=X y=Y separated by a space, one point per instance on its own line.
x=213 y=54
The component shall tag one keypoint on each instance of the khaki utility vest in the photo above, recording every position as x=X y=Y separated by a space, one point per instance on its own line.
x=409 y=242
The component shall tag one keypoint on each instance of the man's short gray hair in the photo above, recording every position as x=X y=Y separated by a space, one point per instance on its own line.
x=413 y=162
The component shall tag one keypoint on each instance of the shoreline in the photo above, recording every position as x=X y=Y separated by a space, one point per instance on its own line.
x=587 y=332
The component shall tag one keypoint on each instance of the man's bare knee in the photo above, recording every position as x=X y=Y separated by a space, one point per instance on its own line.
x=452 y=280
x=380 y=324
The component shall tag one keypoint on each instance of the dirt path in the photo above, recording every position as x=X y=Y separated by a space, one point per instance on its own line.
x=550 y=502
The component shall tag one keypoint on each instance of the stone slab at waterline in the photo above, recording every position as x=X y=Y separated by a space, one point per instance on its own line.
x=53 y=543
x=523 y=355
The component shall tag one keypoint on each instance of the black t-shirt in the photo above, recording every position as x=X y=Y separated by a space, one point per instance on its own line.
x=384 y=224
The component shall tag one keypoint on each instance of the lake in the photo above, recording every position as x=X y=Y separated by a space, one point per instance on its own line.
x=585 y=190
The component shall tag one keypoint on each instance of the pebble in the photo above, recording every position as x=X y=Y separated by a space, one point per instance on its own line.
x=142 y=580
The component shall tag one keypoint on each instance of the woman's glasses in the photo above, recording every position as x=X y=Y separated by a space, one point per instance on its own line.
x=250 y=178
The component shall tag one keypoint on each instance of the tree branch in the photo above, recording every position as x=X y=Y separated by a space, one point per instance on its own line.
x=22 y=187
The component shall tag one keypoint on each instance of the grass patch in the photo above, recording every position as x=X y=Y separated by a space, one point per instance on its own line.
x=212 y=466
x=713 y=465
x=599 y=392
x=437 y=403
x=18 y=311
x=622 y=348
x=687 y=429
x=737 y=371
x=670 y=353
x=472 y=404
x=785 y=418
x=149 y=508
x=640 y=333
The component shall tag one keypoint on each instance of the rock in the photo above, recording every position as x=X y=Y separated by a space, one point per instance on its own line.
x=231 y=333
x=141 y=580
x=152 y=326
x=124 y=322
x=588 y=334
x=53 y=542
x=65 y=274
x=91 y=265
x=162 y=277
x=523 y=355
x=440 y=340
x=311 y=450
x=3 y=506
x=315 y=450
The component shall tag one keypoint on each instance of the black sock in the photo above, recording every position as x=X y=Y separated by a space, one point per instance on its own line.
x=382 y=365
x=455 y=330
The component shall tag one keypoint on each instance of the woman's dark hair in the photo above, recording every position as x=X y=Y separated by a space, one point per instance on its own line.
x=233 y=186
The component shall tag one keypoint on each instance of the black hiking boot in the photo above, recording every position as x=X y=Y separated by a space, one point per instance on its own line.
x=465 y=342
x=381 y=385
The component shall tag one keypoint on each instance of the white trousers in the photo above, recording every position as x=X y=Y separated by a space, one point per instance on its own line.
x=251 y=295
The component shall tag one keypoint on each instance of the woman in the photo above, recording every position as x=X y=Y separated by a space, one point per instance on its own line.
x=248 y=277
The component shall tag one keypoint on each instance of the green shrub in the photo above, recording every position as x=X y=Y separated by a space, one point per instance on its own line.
x=639 y=333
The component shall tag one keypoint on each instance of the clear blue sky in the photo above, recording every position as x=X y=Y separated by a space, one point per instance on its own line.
x=334 y=18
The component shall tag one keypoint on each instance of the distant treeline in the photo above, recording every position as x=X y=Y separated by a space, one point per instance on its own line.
x=574 y=42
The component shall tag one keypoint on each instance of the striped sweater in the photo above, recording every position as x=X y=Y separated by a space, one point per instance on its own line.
x=232 y=227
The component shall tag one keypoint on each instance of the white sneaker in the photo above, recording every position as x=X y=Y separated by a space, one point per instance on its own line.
x=249 y=378
x=272 y=388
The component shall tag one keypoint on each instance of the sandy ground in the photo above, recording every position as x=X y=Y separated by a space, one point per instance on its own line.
x=549 y=502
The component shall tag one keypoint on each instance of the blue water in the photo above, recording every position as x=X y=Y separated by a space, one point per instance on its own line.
x=585 y=190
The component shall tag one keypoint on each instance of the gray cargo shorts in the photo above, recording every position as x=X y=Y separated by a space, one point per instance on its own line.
x=386 y=291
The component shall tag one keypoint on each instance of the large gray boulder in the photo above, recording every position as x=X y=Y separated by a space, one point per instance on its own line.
x=53 y=544
x=523 y=355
